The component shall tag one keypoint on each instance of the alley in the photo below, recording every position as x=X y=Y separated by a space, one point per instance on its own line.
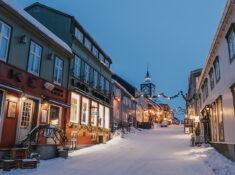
x=163 y=151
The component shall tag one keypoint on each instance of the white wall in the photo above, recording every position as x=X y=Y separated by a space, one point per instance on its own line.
x=227 y=71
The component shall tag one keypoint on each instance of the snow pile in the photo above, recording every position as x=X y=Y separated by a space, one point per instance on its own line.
x=219 y=164
x=95 y=148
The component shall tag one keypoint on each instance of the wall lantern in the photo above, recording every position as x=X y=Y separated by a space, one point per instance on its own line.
x=50 y=56
x=23 y=39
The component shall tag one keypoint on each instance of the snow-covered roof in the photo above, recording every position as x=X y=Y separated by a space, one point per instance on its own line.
x=21 y=12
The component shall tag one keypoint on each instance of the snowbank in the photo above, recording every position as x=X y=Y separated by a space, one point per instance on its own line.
x=216 y=161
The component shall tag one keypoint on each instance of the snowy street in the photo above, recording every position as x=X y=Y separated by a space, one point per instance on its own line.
x=163 y=151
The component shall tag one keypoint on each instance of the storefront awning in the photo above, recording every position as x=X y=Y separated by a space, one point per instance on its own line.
x=10 y=88
x=60 y=103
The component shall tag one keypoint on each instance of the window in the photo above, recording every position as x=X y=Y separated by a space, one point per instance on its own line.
x=106 y=62
x=75 y=108
x=91 y=76
x=86 y=73
x=205 y=89
x=95 y=52
x=233 y=93
x=35 y=55
x=77 y=67
x=107 y=117
x=214 y=122
x=217 y=69
x=1 y=104
x=101 y=83
x=101 y=57
x=79 y=35
x=101 y=116
x=54 y=115
x=58 y=71
x=5 y=33
x=220 y=118
x=95 y=80
x=85 y=111
x=107 y=87
x=94 y=113
x=87 y=44
x=212 y=81
x=231 y=42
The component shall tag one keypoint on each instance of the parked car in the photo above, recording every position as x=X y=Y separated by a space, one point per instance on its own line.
x=164 y=124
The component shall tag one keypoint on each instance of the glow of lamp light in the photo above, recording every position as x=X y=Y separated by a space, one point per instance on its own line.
x=23 y=98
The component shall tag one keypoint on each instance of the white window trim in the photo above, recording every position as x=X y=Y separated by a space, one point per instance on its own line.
x=8 y=39
x=88 y=112
x=96 y=118
x=34 y=57
x=78 y=98
x=60 y=69
x=75 y=68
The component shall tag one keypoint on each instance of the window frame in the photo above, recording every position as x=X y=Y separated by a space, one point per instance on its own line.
x=217 y=69
x=220 y=118
x=62 y=70
x=74 y=70
x=79 y=37
x=87 y=111
x=29 y=52
x=9 y=40
x=232 y=41
x=77 y=117
x=87 y=44
x=212 y=77
x=87 y=81
x=233 y=95
x=60 y=113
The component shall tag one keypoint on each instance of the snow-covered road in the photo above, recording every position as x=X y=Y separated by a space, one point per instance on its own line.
x=162 y=151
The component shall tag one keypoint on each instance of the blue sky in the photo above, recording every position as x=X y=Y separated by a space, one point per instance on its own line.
x=173 y=37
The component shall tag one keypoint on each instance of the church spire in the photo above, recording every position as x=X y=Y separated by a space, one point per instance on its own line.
x=147 y=77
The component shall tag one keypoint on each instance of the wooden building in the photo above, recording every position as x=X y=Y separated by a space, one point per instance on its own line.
x=88 y=79
x=34 y=64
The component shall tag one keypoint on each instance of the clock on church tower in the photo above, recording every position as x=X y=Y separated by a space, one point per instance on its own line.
x=147 y=87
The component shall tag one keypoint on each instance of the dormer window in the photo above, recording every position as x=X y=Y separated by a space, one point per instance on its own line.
x=95 y=51
x=79 y=35
x=101 y=57
x=106 y=62
x=87 y=44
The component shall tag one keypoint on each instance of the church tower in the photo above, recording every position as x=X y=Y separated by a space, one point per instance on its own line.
x=147 y=87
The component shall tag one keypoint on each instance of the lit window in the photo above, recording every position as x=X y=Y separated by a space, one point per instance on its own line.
x=233 y=93
x=85 y=111
x=77 y=67
x=95 y=51
x=58 y=71
x=217 y=69
x=75 y=108
x=94 y=113
x=5 y=33
x=212 y=81
x=79 y=35
x=107 y=118
x=87 y=44
x=54 y=115
x=101 y=116
x=35 y=54
x=220 y=118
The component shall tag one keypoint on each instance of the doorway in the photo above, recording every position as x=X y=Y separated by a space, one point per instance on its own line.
x=25 y=121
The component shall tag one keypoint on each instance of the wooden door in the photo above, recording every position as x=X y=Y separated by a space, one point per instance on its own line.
x=25 y=121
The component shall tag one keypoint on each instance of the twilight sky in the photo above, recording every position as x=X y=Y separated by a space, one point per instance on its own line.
x=173 y=37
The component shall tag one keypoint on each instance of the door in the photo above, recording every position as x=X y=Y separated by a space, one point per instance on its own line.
x=25 y=121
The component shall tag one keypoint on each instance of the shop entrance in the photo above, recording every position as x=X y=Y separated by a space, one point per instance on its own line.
x=25 y=121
